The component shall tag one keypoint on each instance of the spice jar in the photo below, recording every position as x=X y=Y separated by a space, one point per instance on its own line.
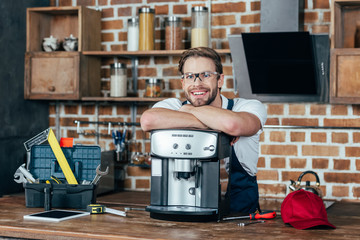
x=118 y=80
x=199 y=27
x=173 y=33
x=146 y=29
x=153 y=87
x=133 y=34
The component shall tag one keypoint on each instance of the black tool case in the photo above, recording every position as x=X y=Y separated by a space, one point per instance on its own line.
x=83 y=161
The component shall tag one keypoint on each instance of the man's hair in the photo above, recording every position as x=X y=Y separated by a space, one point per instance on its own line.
x=201 y=52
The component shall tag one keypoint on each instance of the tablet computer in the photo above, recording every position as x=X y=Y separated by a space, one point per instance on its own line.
x=55 y=215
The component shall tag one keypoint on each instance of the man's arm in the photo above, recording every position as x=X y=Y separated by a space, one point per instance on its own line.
x=227 y=121
x=162 y=118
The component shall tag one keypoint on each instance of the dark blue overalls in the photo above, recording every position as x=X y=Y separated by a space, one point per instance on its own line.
x=243 y=188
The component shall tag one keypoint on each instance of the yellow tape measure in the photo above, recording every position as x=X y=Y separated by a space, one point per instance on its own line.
x=60 y=157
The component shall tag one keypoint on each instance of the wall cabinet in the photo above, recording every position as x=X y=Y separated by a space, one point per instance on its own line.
x=345 y=55
x=62 y=75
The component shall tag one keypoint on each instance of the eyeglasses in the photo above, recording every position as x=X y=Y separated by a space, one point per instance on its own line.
x=203 y=76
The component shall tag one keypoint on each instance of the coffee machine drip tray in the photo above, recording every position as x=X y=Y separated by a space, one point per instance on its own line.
x=183 y=213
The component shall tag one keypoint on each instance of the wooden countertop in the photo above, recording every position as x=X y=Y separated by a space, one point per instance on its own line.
x=138 y=224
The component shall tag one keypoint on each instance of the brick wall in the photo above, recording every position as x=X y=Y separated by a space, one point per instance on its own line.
x=284 y=152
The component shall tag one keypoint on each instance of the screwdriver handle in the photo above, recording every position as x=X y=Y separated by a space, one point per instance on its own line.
x=263 y=215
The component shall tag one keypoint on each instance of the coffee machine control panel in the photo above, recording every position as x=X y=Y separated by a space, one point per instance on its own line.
x=183 y=143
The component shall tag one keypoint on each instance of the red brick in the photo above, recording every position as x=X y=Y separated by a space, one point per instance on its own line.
x=339 y=110
x=272 y=189
x=320 y=28
x=180 y=9
x=287 y=150
x=338 y=137
x=320 y=163
x=322 y=4
x=356 y=109
x=261 y=162
x=228 y=7
x=356 y=192
x=71 y=109
x=300 y=121
x=251 y=18
x=316 y=150
x=69 y=121
x=87 y=109
x=356 y=137
x=255 y=6
x=272 y=121
x=357 y=163
x=275 y=109
x=107 y=13
x=122 y=110
x=352 y=151
x=297 y=136
x=277 y=163
x=142 y=183
x=327 y=16
x=287 y=176
x=137 y=171
x=318 y=137
x=318 y=109
x=297 y=162
x=113 y=24
x=332 y=177
x=267 y=175
x=277 y=136
x=296 y=109
x=223 y=20
x=341 y=164
x=170 y=71
x=311 y=17
x=105 y=110
x=85 y=3
x=107 y=37
x=342 y=122
x=340 y=191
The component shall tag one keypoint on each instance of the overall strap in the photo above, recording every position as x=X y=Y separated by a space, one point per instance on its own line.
x=230 y=104
x=184 y=102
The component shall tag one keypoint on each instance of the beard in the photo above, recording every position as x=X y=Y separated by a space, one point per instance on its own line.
x=201 y=101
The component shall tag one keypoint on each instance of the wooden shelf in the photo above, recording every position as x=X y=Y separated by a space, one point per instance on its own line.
x=145 y=53
x=121 y=99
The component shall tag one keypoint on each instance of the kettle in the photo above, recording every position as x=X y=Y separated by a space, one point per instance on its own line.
x=314 y=189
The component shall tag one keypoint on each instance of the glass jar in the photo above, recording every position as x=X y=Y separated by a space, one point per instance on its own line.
x=153 y=87
x=199 y=27
x=173 y=33
x=133 y=34
x=146 y=29
x=118 y=80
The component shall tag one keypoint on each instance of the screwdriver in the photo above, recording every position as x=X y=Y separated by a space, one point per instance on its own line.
x=252 y=216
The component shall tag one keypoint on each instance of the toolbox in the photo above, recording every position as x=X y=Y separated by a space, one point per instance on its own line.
x=83 y=161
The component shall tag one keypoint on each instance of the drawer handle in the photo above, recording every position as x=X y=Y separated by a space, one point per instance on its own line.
x=51 y=88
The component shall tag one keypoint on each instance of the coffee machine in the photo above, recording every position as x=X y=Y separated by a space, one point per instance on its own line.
x=185 y=174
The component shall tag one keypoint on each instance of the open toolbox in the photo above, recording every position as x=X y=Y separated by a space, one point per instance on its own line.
x=83 y=161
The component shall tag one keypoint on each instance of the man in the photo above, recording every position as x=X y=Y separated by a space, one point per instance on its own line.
x=205 y=108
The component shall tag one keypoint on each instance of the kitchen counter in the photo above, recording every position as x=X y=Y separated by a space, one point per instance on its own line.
x=138 y=224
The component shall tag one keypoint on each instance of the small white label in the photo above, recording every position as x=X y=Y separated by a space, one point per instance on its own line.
x=156 y=169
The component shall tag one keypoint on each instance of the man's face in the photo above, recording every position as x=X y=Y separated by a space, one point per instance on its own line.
x=201 y=92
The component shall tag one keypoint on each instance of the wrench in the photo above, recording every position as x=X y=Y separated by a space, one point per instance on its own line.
x=23 y=175
x=99 y=174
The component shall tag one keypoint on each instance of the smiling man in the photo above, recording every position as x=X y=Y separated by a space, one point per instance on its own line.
x=202 y=78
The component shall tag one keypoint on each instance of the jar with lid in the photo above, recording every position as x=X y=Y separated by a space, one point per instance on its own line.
x=173 y=33
x=133 y=34
x=146 y=29
x=199 y=27
x=118 y=80
x=153 y=87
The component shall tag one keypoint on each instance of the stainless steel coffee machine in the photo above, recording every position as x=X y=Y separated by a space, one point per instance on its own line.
x=185 y=174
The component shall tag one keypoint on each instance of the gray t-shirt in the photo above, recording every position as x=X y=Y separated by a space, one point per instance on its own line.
x=246 y=148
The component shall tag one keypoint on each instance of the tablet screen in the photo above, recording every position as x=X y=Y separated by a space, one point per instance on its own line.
x=55 y=215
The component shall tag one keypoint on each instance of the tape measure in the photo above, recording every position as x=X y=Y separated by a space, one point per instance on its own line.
x=95 y=208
